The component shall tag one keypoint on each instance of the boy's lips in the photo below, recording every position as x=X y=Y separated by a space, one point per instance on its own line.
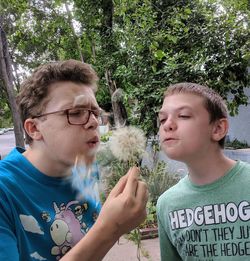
x=93 y=141
x=169 y=139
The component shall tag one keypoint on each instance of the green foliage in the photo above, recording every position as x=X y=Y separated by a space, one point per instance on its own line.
x=159 y=179
x=146 y=45
x=151 y=220
x=111 y=168
x=236 y=144
x=105 y=137
x=5 y=113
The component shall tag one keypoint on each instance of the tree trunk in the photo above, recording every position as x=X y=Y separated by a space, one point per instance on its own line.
x=6 y=75
x=119 y=110
x=70 y=20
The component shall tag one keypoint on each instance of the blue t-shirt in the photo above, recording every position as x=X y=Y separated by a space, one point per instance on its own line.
x=41 y=217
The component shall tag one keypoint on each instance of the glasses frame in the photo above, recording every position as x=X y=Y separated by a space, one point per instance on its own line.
x=66 y=112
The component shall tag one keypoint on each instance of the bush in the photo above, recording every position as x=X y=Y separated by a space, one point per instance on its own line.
x=236 y=144
x=111 y=169
x=158 y=180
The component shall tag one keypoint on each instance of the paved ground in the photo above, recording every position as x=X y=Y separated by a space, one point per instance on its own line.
x=127 y=251
x=7 y=143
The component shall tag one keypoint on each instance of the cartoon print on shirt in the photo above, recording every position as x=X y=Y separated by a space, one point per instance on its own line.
x=65 y=230
x=30 y=224
x=46 y=216
x=62 y=206
x=95 y=216
x=36 y=256
x=79 y=211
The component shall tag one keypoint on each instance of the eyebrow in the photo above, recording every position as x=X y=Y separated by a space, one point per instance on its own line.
x=92 y=107
x=161 y=112
x=80 y=106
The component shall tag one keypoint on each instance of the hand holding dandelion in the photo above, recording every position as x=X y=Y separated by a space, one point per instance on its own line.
x=128 y=144
x=128 y=196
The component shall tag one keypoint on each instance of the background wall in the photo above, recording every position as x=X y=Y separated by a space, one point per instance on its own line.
x=239 y=125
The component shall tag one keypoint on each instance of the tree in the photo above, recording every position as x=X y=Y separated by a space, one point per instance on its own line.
x=138 y=47
x=7 y=81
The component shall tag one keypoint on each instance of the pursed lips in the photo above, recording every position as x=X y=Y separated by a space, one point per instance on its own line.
x=94 y=140
x=169 y=139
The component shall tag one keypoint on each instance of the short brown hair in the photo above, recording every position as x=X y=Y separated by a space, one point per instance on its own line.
x=34 y=90
x=213 y=102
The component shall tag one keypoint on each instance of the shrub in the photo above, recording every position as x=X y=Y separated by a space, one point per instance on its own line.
x=236 y=144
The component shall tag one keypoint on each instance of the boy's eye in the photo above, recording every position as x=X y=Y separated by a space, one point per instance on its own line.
x=184 y=116
x=96 y=113
x=76 y=112
x=162 y=120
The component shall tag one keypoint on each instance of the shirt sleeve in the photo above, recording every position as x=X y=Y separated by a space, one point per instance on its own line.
x=8 y=243
x=168 y=251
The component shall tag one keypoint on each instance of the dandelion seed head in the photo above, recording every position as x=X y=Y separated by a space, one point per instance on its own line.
x=128 y=144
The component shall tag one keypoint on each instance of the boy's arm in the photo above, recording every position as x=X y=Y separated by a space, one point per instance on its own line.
x=168 y=251
x=8 y=242
x=124 y=209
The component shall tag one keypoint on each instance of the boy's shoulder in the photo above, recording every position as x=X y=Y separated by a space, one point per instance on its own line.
x=244 y=164
x=173 y=193
x=243 y=168
x=9 y=165
x=240 y=174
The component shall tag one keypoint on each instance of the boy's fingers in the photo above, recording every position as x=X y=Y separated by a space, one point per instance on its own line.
x=142 y=192
x=132 y=182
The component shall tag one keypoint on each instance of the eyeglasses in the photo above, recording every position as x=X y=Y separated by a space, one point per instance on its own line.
x=78 y=116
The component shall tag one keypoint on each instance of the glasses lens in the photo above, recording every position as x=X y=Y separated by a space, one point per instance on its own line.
x=98 y=116
x=104 y=119
x=78 y=116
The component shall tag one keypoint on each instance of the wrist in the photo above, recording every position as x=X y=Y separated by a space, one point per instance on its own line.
x=109 y=230
x=95 y=244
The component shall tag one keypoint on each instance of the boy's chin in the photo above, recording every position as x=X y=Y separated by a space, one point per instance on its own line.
x=86 y=159
x=89 y=160
x=173 y=156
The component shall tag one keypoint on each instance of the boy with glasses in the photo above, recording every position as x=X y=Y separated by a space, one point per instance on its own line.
x=206 y=215
x=41 y=216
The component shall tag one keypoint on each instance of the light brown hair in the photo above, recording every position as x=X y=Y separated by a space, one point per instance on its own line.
x=34 y=90
x=213 y=102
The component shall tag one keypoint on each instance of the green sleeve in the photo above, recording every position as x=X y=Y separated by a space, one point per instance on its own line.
x=168 y=251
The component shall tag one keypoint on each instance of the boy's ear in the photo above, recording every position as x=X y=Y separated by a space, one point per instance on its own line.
x=30 y=125
x=220 y=129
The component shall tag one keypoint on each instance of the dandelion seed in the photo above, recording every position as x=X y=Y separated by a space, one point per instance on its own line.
x=128 y=144
x=85 y=179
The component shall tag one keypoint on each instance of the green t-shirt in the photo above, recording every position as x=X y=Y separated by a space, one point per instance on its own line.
x=209 y=222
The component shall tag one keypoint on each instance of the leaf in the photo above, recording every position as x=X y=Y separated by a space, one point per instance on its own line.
x=159 y=54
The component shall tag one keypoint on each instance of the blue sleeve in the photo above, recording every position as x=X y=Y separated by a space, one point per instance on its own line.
x=8 y=243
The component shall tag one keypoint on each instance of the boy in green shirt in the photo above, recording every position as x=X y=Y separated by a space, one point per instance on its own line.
x=206 y=215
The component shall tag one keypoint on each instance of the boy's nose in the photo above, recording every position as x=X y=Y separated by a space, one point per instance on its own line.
x=93 y=122
x=169 y=125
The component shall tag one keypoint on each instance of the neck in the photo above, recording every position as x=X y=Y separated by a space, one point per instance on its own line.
x=44 y=164
x=210 y=168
